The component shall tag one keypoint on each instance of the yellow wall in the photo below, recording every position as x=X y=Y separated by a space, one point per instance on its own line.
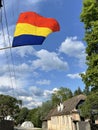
x=63 y=122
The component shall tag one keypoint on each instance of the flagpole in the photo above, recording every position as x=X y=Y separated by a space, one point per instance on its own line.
x=6 y=48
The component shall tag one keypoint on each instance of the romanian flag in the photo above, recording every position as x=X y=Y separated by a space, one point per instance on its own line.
x=32 y=29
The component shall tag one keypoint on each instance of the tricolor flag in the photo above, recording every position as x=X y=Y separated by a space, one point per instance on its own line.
x=32 y=29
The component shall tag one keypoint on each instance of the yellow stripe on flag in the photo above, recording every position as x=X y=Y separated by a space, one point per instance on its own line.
x=24 y=28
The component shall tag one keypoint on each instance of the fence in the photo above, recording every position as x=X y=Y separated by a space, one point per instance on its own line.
x=83 y=125
x=6 y=125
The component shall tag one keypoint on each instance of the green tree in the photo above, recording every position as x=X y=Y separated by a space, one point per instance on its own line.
x=61 y=95
x=90 y=106
x=45 y=108
x=34 y=116
x=78 y=91
x=86 y=91
x=9 y=106
x=89 y=16
x=21 y=117
x=37 y=115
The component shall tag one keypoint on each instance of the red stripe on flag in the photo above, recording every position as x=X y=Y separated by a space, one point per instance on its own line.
x=38 y=20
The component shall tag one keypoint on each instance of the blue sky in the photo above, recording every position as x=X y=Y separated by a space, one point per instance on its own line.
x=33 y=73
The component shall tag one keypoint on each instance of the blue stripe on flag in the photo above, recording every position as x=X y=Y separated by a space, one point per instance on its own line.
x=23 y=40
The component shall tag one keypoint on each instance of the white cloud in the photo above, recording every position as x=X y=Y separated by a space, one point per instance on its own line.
x=31 y=96
x=36 y=96
x=19 y=70
x=55 y=90
x=74 y=76
x=73 y=48
x=47 y=93
x=35 y=91
x=35 y=1
x=11 y=86
x=33 y=104
x=30 y=102
x=25 y=51
x=15 y=77
x=43 y=82
x=49 y=61
x=4 y=42
x=26 y=98
x=8 y=81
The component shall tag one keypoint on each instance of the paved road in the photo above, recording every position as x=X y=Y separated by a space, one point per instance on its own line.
x=19 y=128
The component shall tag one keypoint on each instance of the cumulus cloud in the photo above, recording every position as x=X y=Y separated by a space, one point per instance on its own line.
x=74 y=76
x=41 y=95
x=73 y=48
x=11 y=86
x=31 y=96
x=47 y=93
x=35 y=96
x=55 y=90
x=43 y=82
x=34 y=104
x=30 y=102
x=49 y=61
x=15 y=77
x=24 y=51
x=19 y=70
x=5 y=40
x=35 y=91
x=8 y=81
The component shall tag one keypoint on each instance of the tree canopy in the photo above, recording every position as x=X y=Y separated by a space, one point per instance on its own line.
x=90 y=106
x=78 y=91
x=22 y=115
x=61 y=95
x=9 y=105
x=89 y=16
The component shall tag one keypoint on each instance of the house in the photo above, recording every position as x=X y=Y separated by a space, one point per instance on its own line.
x=66 y=115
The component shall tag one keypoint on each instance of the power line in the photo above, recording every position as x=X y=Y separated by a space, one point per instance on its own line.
x=6 y=22
x=2 y=28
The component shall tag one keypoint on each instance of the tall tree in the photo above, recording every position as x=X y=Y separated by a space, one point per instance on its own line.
x=89 y=16
x=61 y=95
x=86 y=91
x=34 y=116
x=21 y=117
x=90 y=107
x=78 y=91
x=9 y=106
x=45 y=108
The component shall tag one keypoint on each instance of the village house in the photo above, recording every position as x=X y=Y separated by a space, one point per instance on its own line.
x=66 y=115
